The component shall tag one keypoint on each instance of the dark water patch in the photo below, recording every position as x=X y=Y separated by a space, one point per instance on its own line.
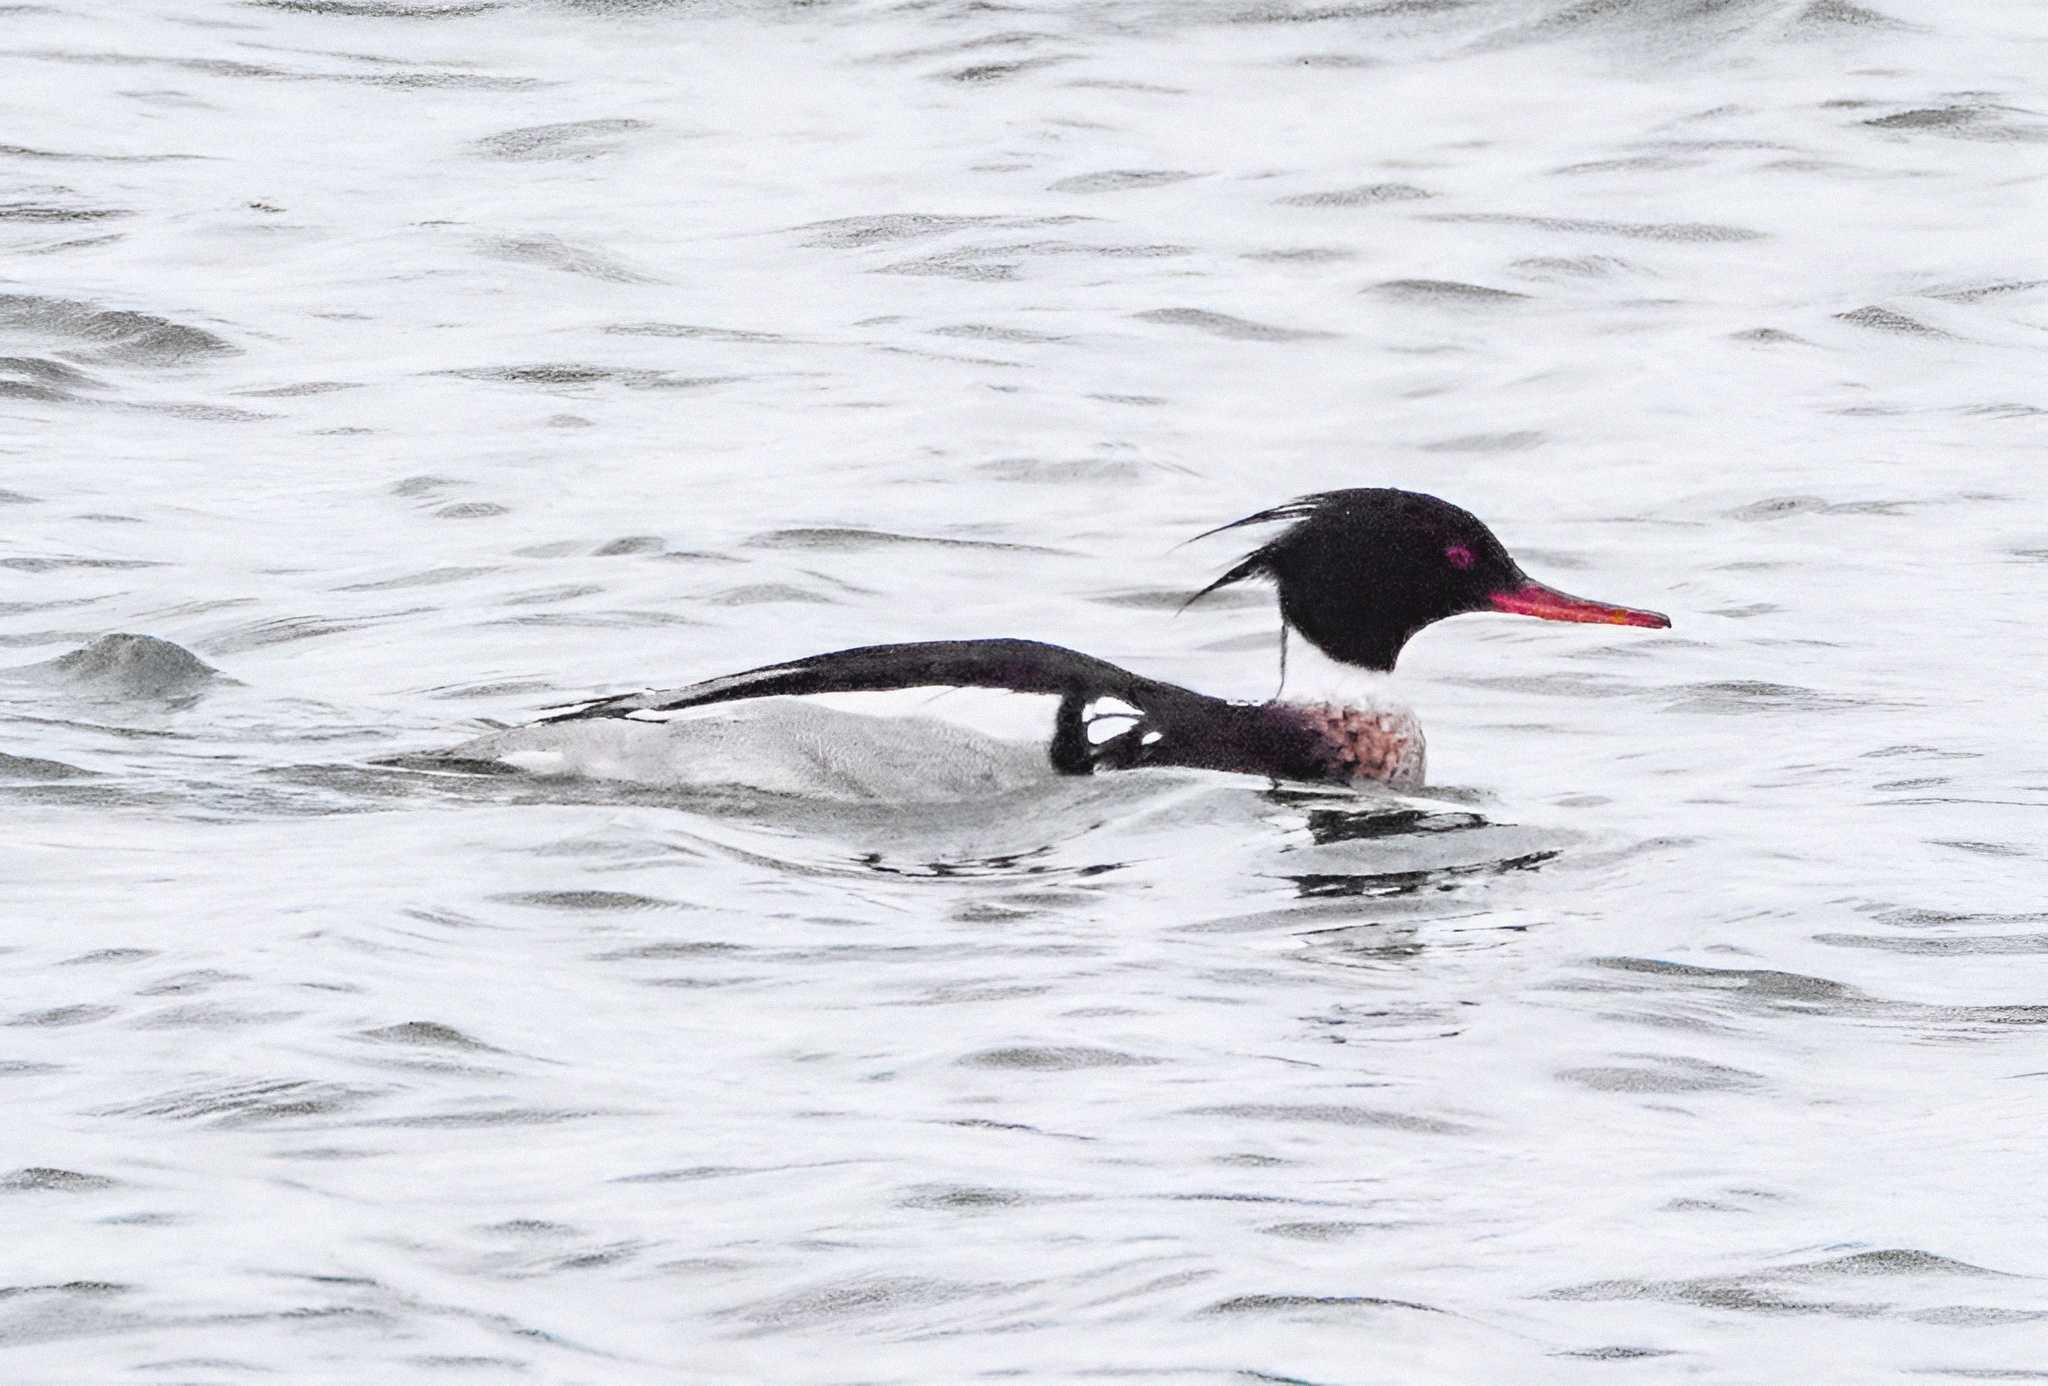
x=1020 y=1127
x=490 y=688
x=672 y=951
x=252 y=1103
x=1445 y=291
x=1688 y=232
x=126 y=666
x=997 y=72
x=427 y=1034
x=1044 y=470
x=112 y=335
x=190 y=983
x=598 y=620
x=17 y=498
x=554 y=253
x=1733 y=1293
x=426 y=577
x=1573 y=266
x=203 y=413
x=471 y=510
x=985 y=332
x=1934 y=919
x=1975 y=1316
x=1632 y=163
x=1967 y=121
x=560 y=374
x=13 y=767
x=975 y=266
x=1232 y=328
x=766 y=594
x=75 y=243
x=1662 y=1073
x=1327 y=826
x=49 y=212
x=589 y=900
x=1302 y=255
x=1008 y=38
x=1767 y=991
x=210 y=1017
x=1762 y=1291
x=1331 y=1231
x=852 y=233
x=1174 y=598
x=1331 y=885
x=1982 y=848
x=692 y=331
x=16 y=151
x=281 y=630
x=427 y=80
x=1284 y=12
x=965 y=1198
x=62 y=1016
x=1767 y=336
x=1995 y=945
x=1515 y=441
x=630 y=545
x=486 y=1119
x=1615 y=1353
x=550 y=596
x=1737 y=696
x=1779 y=507
x=1841 y=14
x=381 y=9
x=1120 y=180
x=1977 y=293
x=37 y=378
x=1363 y=195
x=1295 y=1304
x=1055 y=1058
x=424 y=485
x=849 y=540
x=26 y=1068
x=845 y=1301
x=102 y=956
x=1005 y=263
x=1888 y=1261
x=42 y=1179
x=1331 y=1114
x=1888 y=320
x=574 y=139
x=2007 y=409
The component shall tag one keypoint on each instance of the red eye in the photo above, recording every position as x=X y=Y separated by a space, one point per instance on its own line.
x=1459 y=555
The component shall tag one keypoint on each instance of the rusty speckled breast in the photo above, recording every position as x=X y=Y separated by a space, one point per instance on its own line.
x=1365 y=745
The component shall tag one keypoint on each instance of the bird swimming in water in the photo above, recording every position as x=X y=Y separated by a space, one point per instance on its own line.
x=1358 y=573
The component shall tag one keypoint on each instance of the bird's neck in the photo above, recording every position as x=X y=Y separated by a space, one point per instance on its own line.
x=1314 y=677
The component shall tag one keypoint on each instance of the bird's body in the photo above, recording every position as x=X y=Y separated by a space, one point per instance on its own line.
x=1358 y=573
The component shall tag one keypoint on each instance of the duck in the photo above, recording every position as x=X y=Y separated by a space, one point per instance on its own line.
x=1359 y=573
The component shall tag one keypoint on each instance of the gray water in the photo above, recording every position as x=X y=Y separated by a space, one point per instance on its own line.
x=410 y=366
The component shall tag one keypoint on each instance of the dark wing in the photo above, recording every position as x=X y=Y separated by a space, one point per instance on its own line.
x=1020 y=666
x=1173 y=725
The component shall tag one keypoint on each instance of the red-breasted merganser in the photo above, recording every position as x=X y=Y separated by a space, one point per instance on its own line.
x=1358 y=573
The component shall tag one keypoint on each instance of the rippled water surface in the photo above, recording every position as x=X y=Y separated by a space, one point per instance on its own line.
x=409 y=366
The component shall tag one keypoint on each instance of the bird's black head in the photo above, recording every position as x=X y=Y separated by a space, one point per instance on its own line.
x=1361 y=571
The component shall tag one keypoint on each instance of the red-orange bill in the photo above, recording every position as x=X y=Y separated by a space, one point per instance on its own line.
x=1534 y=599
